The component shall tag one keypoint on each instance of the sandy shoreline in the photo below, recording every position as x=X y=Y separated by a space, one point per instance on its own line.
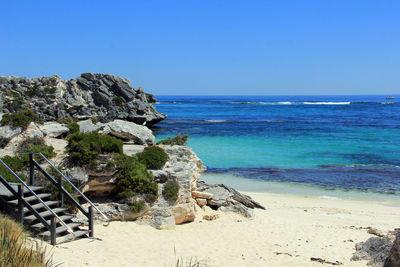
x=289 y=232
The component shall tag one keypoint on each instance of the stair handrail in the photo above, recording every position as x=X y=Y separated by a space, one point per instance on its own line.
x=76 y=189
x=44 y=203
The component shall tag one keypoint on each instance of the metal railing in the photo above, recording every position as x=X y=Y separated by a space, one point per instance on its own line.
x=34 y=163
x=22 y=202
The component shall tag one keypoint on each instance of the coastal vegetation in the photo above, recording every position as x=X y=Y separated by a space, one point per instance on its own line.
x=85 y=148
x=153 y=157
x=171 y=190
x=20 y=118
x=20 y=163
x=179 y=140
x=4 y=141
x=16 y=249
x=73 y=127
x=133 y=177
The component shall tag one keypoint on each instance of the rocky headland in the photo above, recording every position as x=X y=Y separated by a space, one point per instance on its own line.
x=52 y=110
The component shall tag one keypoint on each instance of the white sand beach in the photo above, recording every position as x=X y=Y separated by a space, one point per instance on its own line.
x=289 y=232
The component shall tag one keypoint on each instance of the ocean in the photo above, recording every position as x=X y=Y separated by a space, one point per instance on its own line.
x=335 y=146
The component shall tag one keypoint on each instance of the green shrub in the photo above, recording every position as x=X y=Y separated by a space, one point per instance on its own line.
x=35 y=144
x=84 y=148
x=171 y=190
x=64 y=120
x=73 y=127
x=179 y=140
x=17 y=165
x=4 y=141
x=16 y=250
x=154 y=157
x=133 y=177
x=137 y=206
x=94 y=120
x=19 y=119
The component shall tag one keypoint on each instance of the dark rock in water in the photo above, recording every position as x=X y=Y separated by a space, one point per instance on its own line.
x=104 y=96
x=375 y=250
x=394 y=255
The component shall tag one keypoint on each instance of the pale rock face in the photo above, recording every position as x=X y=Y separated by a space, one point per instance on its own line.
x=86 y=126
x=129 y=131
x=33 y=131
x=9 y=132
x=201 y=202
x=183 y=213
x=53 y=129
x=197 y=194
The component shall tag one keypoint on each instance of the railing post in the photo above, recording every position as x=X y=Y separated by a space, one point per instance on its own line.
x=53 y=227
x=60 y=192
x=20 y=203
x=91 y=225
x=31 y=170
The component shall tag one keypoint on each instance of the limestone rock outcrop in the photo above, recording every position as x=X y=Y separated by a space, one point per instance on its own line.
x=393 y=260
x=103 y=96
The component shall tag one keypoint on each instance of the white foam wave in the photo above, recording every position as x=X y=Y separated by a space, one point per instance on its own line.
x=326 y=103
x=216 y=121
x=329 y=197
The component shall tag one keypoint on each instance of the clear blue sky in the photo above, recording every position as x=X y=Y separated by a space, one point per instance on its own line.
x=210 y=46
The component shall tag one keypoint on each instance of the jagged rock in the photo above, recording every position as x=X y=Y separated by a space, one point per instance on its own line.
x=393 y=260
x=77 y=175
x=225 y=198
x=375 y=250
x=53 y=129
x=183 y=213
x=86 y=126
x=9 y=132
x=104 y=96
x=201 y=202
x=129 y=131
x=197 y=194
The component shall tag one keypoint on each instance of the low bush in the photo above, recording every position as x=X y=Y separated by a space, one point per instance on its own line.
x=74 y=127
x=19 y=119
x=84 y=148
x=171 y=190
x=133 y=177
x=15 y=250
x=137 y=206
x=4 y=141
x=179 y=140
x=35 y=145
x=17 y=165
x=154 y=157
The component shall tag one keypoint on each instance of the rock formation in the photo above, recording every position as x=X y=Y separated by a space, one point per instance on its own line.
x=393 y=260
x=102 y=96
x=123 y=112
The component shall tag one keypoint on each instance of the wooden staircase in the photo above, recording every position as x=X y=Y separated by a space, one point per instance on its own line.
x=45 y=217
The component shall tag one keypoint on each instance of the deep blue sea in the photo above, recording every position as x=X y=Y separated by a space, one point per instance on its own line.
x=329 y=143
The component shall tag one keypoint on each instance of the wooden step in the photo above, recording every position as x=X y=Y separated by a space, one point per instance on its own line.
x=40 y=205
x=64 y=218
x=30 y=198
x=71 y=237
x=6 y=193
x=60 y=229
x=45 y=214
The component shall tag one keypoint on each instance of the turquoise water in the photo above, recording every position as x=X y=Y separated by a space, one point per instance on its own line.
x=295 y=139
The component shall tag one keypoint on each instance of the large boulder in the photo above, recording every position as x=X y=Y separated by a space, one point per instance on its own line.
x=86 y=126
x=127 y=131
x=393 y=260
x=375 y=250
x=53 y=129
x=9 y=132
